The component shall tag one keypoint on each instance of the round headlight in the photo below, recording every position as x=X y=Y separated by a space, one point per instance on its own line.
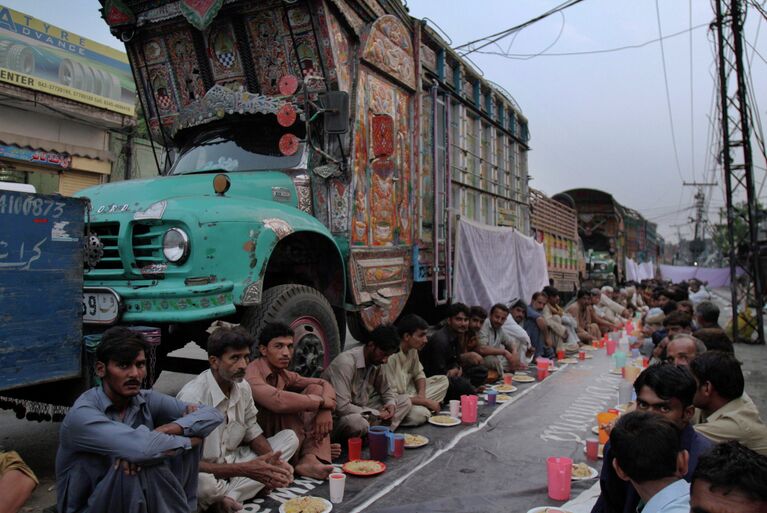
x=175 y=245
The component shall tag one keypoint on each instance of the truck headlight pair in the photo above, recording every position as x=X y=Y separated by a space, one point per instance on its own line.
x=175 y=245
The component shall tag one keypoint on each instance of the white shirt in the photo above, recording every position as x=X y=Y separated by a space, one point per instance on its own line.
x=701 y=295
x=519 y=337
x=240 y=424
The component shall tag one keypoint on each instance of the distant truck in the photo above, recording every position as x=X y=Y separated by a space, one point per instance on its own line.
x=41 y=261
x=315 y=171
x=555 y=225
x=600 y=270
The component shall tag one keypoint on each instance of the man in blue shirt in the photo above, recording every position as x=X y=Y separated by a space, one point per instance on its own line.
x=666 y=390
x=127 y=450
x=535 y=326
x=649 y=456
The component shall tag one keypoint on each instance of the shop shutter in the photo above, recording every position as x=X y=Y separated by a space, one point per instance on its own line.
x=73 y=181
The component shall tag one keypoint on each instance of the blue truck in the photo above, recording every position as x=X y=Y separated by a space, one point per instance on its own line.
x=41 y=302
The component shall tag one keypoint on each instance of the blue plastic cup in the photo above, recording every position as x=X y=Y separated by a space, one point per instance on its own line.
x=620 y=359
x=492 y=395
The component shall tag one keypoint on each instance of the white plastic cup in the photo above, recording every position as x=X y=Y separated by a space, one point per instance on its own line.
x=337 y=485
x=455 y=408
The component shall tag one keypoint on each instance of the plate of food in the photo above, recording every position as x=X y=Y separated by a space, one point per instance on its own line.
x=415 y=441
x=588 y=357
x=587 y=348
x=505 y=388
x=522 y=378
x=444 y=420
x=548 y=509
x=581 y=472
x=364 y=468
x=502 y=398
x=600 y=454
x=595 y=430
x=568 y=360
x=306 y=505
x=616 y=371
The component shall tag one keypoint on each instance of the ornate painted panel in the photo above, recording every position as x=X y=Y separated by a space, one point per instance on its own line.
x=389 y=48
x=342 y=52
x=380 y=281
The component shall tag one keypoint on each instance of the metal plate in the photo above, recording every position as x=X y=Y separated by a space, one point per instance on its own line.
x=100 y=306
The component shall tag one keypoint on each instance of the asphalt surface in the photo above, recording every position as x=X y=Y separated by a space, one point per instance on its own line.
x=37 y=442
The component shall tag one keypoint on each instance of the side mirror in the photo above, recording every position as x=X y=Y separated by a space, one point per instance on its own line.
x=335 y=106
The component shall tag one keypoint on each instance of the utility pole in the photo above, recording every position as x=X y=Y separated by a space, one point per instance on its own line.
x=738 y=166
x=698 y=244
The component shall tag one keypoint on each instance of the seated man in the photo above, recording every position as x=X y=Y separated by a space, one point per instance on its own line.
x=561 y=326
x=495 y=345
x=729 y=478
x=715 y=339
x=477 y=316
x=514 y=326
x=728 y=414
x=580 y=310
x=126 y=449
x=682 y=349
x=17 y=482
x=675 y=323
x=405 y=375
x=686 y=307
x=654 y=469
x=536 y=327
x=441 y=356
x=287 y=400
x=238 y=461
x=697 y=293
x=665 y=390
x=599 y=313
x=363 y=394
x=707 y=318
x=614 y=311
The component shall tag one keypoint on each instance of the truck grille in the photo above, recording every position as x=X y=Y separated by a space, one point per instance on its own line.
x=108 y=235
x=147 y=244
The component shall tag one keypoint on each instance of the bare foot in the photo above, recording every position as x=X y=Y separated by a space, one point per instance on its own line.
x=335 y=451
x=226 y=505
x=315 y=470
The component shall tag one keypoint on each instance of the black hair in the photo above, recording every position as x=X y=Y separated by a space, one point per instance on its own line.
x=669 y=307
x=121 y=345
x=519 y=304
x=732 y=467
x=478 y=311
x=677 y=318
x=386 y=338
x=708 y=312
x=499 y=306
x=668 y=381
x=715 y=339
x=582 y=293
x=550 y=291
x=640 y=460
x=457 y=308
x=537 y=295
x=720 y=369
x=411 y=323
x=225 y=338
x=274 y=330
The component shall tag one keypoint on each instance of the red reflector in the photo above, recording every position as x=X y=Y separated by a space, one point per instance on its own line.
x=39 y=220
x=288 y=85
x=288 y=144
x=286 y=116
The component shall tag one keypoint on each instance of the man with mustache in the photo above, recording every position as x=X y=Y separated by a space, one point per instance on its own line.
x=126 y=449
x=287 y=400
x=238 y=461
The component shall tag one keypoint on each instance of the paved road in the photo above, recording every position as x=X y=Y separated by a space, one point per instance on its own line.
x=37 y=442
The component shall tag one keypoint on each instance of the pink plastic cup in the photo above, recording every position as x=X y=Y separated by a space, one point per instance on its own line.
x=469 y=409
x=592 y=448
x=612 y=345
x=507 y=379
x=559 y=472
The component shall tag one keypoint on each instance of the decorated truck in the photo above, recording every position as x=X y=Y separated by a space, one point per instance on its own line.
x=555 y=225
x=319 y=149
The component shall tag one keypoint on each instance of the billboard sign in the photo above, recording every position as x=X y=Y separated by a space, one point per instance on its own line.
x=37 y=55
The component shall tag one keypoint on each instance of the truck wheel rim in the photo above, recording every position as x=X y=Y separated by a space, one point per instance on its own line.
x=311 y=346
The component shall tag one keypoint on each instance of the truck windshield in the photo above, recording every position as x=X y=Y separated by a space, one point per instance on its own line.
x=236 y=148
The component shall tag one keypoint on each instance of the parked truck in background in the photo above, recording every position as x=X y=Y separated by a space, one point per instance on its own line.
x=320 y=152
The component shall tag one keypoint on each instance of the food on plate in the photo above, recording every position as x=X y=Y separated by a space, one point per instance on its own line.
x=305 y=505
x=568 y=360
x=521 y=379
x=581 y=470
x=505 y=388
x=442 y=419
x=363 y=466
x=502 y=398
x=415 y=440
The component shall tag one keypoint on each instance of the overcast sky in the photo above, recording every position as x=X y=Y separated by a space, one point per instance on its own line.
x=597 y=120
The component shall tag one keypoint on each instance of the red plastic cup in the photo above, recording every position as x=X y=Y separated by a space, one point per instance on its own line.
x=645 y=362
x=581 y=355
x=355 y=448
x=543 y=373
x=399 y=446
x=560 y=354
x=592 y=448
x=507 y=379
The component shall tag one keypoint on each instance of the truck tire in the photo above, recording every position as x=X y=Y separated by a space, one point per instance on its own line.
x=317 y=339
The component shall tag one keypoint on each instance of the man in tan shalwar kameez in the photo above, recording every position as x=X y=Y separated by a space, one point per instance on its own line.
x=287 y=400
x=581 y=311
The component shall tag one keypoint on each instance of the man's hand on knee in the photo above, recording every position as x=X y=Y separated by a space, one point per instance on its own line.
x=130 y=469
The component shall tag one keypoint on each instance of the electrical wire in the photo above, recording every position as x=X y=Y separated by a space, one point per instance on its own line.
x=668 y=94
x=525 y=56
x=692 y=106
